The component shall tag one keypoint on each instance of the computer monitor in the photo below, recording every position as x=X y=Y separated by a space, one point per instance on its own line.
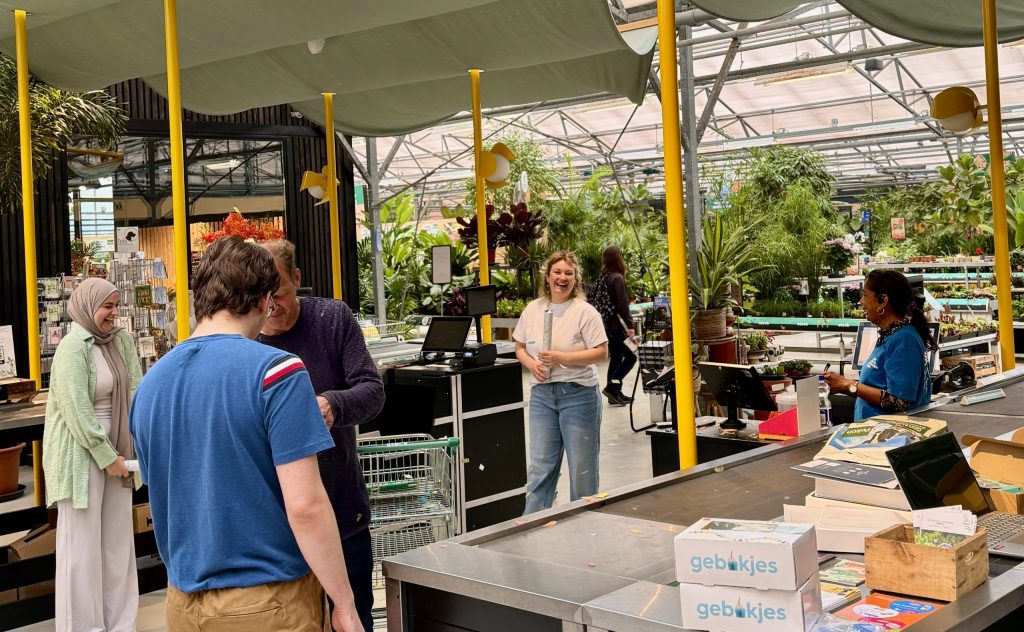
x=481 y=300
x=867 y=337
x=447 y=334
x=739 y=386
x=934 y=473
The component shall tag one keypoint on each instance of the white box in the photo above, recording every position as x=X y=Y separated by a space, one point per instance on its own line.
x=746 y=553
x=843 y=529
x=729 y=609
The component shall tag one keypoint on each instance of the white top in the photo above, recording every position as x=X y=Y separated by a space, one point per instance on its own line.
x=576 y=326
x=103 y=397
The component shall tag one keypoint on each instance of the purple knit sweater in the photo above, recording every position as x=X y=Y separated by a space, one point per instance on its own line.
x=330 y=343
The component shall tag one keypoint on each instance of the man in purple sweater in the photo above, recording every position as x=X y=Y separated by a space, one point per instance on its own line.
x=326 y=337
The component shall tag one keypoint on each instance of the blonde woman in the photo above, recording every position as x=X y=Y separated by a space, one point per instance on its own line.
x=86 y=441
x=565 y=405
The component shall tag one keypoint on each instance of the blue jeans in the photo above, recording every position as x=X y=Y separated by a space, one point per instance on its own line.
x=563 y=415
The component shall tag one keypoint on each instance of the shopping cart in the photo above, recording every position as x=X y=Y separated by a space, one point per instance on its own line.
x=411 y=483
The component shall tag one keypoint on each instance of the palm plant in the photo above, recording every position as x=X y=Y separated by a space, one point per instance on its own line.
x=723 y=259
x=58 y=116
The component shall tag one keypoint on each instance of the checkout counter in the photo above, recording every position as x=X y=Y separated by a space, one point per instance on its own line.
x=446 y=387
x=608 y=565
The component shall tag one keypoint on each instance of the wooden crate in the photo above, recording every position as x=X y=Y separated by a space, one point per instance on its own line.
x=895 y=564
x=17 y=390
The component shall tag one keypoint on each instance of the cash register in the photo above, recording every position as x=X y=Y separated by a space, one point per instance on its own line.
x=446 y=343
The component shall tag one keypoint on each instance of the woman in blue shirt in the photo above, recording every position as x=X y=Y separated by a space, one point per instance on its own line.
x=896 y=376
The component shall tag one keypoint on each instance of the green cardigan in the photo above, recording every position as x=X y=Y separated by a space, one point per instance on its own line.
x=71 y=435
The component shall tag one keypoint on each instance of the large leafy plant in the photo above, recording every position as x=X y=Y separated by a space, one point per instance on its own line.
x=58 y=116
x=724 y=259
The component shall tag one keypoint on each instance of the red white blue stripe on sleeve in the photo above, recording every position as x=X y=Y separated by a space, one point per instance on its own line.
x=282 y=369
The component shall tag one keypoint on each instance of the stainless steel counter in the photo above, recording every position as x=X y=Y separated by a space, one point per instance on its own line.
x=606 y=565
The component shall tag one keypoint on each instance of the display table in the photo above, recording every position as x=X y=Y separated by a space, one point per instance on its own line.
x=606 y=564
x=24 y=422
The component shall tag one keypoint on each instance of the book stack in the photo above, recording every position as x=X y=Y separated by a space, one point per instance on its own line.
x=855 y=483
x=745 y=575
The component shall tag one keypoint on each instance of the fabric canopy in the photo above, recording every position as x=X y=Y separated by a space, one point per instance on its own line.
x=941 y=22
x=394 y=65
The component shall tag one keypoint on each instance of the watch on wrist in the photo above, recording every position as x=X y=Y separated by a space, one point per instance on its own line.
x=852 y=388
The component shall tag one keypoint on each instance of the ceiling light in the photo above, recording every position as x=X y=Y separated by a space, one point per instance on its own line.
x=222 y=164
x=316 y=46
x=805 y=74
x=752 y=141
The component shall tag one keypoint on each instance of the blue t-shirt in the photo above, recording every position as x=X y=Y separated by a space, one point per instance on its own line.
x=899 y=365
x=211 y=422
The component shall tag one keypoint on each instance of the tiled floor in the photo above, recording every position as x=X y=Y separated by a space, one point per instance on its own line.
x=625 y=459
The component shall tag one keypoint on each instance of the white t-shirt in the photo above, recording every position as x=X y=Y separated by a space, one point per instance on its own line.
x=576 y=326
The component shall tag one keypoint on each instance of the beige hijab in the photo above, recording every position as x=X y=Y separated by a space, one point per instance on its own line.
x=82 y=307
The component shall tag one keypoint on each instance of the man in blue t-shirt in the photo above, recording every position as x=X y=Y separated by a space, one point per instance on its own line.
x=227 y=431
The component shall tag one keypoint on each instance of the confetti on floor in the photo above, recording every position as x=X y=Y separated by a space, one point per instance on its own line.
x=550 y=524
x=591 y=564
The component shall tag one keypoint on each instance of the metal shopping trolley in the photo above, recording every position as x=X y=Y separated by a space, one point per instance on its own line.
x=411 y=483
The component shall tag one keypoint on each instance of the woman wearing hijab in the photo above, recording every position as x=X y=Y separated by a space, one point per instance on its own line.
x=85 y=444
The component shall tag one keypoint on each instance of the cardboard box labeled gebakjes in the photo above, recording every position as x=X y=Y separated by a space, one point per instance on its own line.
x=746 y=553
x=750 y=609
x=1001 y=460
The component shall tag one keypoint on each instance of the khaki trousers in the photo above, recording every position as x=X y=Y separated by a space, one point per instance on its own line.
x=295 y=606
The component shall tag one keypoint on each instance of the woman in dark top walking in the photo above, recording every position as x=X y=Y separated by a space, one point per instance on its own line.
x=612 y=302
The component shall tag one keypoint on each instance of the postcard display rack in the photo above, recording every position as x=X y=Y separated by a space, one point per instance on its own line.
x=142 y=310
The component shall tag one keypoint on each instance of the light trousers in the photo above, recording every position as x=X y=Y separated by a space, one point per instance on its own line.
x=96 y=586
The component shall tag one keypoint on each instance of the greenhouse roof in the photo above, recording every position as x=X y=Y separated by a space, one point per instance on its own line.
x=816 y=76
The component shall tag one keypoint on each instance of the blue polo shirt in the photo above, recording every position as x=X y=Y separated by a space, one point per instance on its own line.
x=900 y=366
x=211 y=422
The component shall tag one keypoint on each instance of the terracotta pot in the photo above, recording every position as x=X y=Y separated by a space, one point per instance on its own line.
x=725 y=352
x=771 y=383
x=709 y=324
x=10 y=460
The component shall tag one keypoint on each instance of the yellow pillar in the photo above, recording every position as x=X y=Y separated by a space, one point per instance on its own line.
x=28 y=199
x=181 y=259
x=676 y=214
x=29 y=220
x=332 y=194
x=481 y=196
x=995 y=163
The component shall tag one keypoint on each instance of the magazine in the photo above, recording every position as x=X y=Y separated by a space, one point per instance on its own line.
x=866 y=442
x=844 y=573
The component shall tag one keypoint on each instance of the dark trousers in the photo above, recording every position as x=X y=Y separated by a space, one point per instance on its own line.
x=620 y=359
x=358 y=550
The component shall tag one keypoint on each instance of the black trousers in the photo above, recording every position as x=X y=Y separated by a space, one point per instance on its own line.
x=620 y=359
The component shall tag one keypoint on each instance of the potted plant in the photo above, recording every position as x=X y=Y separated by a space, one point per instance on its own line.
x=10 y=462
x=775 y=379
x=723 y=259
x=469 y=233
x=698 y=354
x=796 y=368
x=758 y=345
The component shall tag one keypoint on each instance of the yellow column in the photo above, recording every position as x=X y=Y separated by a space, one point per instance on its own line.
x=28 y=199
x=676 y=215
x=181 y=259
x=332 y=194
x=29 y=220
x=995 y=136
x=481 y=196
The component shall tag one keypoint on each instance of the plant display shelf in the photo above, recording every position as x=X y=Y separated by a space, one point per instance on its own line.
x=800 y=323
x=963 y=265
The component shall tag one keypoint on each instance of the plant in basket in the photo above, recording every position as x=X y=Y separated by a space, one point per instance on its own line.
x=796 y=368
